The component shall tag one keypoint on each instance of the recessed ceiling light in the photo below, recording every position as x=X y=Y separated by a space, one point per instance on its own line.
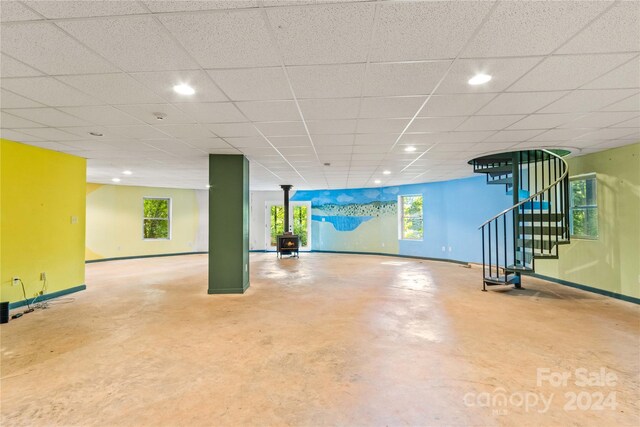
x=96 y=134
x=327 y=164
x=479 y=79
x=184 y=89
x=160 y=116
x=115 y=179
x=127 y=172
x=410 y=149
x=377 y=181
x=387 y=172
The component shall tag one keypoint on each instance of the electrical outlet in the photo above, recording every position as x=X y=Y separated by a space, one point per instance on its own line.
x=43 y=276
x=15 y=281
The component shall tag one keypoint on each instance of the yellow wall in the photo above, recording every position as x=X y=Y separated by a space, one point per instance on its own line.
x=612 y=262
x=40 y=192
x=114 y=221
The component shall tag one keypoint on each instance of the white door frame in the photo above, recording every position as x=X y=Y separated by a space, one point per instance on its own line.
x=267 y=223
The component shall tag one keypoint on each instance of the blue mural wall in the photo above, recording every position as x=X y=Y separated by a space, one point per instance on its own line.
x=366 y=220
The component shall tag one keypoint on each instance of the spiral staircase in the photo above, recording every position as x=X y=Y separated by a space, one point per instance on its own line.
x=536 y=224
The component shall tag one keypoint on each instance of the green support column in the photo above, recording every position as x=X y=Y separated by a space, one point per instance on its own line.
x=228 y=224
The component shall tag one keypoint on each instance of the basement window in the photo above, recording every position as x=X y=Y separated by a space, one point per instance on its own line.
x=157 y=218
x=583 y=206
x=410 y=216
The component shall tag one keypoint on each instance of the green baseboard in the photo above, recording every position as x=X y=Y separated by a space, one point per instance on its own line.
x=228 y=290
x=90 y=261
x=588 y=288
x=45 y=297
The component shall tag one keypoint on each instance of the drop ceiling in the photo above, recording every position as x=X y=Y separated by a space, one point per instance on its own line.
x=295 y=85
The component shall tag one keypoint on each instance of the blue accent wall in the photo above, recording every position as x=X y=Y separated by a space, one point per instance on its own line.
x=453 y=210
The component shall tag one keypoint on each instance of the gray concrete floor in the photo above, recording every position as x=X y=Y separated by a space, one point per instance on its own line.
x=323 y=340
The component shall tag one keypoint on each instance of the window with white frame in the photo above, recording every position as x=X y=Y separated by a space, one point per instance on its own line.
x=583 y=206
x=410 y=216
x=156 y=223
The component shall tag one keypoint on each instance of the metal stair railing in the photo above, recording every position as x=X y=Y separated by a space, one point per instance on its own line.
x=531 y=228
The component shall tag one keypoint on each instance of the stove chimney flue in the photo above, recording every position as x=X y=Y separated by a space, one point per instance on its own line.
x=286 y=189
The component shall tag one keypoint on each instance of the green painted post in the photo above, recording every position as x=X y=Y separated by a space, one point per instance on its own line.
x=228 y=224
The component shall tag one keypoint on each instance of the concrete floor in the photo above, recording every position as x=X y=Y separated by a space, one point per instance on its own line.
x=324 y=340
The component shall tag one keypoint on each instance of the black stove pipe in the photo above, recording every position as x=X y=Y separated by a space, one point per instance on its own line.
x=286 y=189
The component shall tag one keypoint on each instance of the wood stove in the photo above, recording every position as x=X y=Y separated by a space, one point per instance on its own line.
x=288 y=243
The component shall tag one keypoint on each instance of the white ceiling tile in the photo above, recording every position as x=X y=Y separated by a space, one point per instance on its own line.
x=148 y=46
x=216 y=112
x=233 y=129
x=49 y=91
x=459 y=137
x=396 y=107
x=416 y=78
x=51 y=134
x=282 y=128
x=162 y=83
x=487 y=147
x=9 y=67
x=504 y=73
x=513 y=135
x=265 y=111
x=101 y=115
x=12 y=100
x=53 y=53
x=185 y=130
x=219 y=40
x=531 y=28
x=631 y=103
x=625 y=76
x=382 y=125
x=290 y=141
x=12 y=11
x=520 y=102
x=148 y=113
x=569 y=72
x=331 y=140
x=206 y=143
x=488 y=122
x=55 y=146
x=600 y=119
x=377 y=148
x=607 y=134
x=587 y=100
x=459 y=147
x=324 y=34
x=48 y=116
x=615 y=31
x=327 y=81
x=332 y=127
x=455 y=105
x=16 y=136
x=559 y=134
x=187 y=6
x=253 y=84
x=248 y=141
x=10 y=121
x=336 y=149
x=329 y=109
x=79 y=9
x=543 y=121
x=138 y=132
x=113 y=88
x=633 y=123
x=401 y=33
x=84 y=132
x=436 y=124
